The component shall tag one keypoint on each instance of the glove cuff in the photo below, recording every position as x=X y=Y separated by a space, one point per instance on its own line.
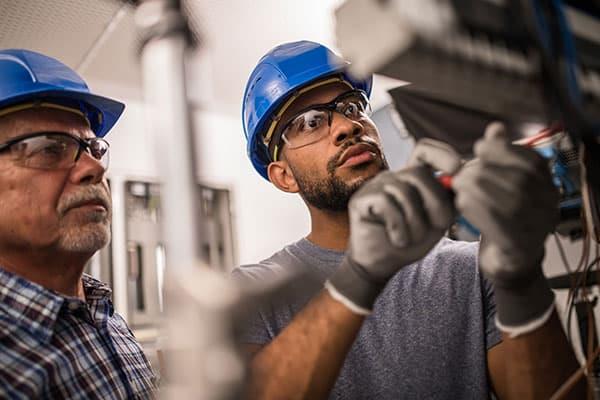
x=353 y=287
x=524 y=309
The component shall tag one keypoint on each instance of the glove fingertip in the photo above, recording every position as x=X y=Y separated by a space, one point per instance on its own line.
x=496 y=130
x=494 y=137
x=435 y=154
x=397 y=238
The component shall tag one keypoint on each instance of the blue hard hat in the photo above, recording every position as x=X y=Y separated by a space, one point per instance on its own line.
x=279 y=74
x=27 y=76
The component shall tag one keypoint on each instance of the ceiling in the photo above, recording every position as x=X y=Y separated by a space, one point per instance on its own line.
x=98 y=38
x=73 y=31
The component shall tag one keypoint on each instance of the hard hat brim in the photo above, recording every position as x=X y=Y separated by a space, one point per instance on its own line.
x=109 y=110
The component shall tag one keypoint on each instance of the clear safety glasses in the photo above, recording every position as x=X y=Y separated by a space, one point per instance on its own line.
x=312 y=124
x=54 y=150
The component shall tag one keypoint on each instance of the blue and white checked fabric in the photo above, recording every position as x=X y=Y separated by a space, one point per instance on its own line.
x=58 y=347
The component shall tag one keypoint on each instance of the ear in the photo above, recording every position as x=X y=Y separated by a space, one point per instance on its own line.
x=281 y=175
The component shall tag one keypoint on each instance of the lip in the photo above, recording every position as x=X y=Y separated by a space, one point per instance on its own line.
x=358 y=154
x=97 y=204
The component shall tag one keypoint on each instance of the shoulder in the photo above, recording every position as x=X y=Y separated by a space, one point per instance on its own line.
x=261 y=270
x=284 y=280
x=450 y=251
x=119 y=322
x=448 y=261
x=276 y=266
x=8 y=324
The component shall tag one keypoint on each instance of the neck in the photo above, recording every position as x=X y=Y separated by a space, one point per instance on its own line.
x=329 y=230
x=59 y=272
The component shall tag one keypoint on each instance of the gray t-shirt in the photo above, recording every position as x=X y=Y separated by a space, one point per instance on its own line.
x=426 y=338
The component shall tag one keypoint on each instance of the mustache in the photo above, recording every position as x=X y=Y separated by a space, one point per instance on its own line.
x=335 y=160
x=95 y=193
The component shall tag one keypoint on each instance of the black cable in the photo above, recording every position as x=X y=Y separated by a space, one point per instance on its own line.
x=574 y=291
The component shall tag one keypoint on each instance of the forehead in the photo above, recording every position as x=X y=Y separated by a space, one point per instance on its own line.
x=43 y=119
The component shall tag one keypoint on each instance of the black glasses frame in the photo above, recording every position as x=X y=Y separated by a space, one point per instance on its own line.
x=330 y=106
x=84 y=144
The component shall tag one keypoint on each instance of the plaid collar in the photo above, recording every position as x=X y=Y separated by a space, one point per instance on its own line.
x=34 y=308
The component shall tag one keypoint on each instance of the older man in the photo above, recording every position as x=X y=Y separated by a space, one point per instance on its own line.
x=59 y=334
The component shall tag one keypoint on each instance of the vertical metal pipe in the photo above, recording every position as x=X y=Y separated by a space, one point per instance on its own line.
x=119 y=246
x=203 y=362
x=162 y=60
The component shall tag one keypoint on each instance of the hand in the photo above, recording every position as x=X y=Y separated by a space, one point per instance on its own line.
x=508 y=194
x=395 y=219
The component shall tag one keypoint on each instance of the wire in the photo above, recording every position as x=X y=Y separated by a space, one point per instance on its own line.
x=549 y=29
x=554 y=132
x=578 y=283
x=541 y=29
x=572 y=279
x=568 y=48
x=590 y=339
x=566 y=387
x=592 y=354
x=563 y=256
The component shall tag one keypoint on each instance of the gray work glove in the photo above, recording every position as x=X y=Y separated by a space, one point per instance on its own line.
x=508 y=194
x=395 y=219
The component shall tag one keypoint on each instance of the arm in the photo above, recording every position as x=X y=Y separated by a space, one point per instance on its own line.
x=534 y=365
x=304 y=360
x=508 y=193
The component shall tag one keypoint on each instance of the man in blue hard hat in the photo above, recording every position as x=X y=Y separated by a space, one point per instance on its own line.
x=59 y=335
x=404 y=312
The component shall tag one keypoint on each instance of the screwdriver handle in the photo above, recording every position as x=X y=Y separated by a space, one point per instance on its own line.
x=445 y=181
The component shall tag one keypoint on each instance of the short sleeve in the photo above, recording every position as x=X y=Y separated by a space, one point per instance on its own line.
x=493 y=335
x=252 y=328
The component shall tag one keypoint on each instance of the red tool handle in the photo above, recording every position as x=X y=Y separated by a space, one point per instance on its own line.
x=445 y=181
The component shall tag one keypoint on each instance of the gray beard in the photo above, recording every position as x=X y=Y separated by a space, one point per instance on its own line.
x=87 y=238
x=90 y=232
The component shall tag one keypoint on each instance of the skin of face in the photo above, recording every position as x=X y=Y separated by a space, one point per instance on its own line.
x=52 y=211
x=315 y=170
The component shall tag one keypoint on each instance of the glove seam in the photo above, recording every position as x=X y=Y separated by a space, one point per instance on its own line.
x=516 y=331
x=361 y=272
x=337 y=296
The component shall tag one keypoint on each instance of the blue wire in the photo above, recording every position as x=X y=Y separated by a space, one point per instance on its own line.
x=542 y=28
x=569 y=53
x=568 y=50
x=568 y=45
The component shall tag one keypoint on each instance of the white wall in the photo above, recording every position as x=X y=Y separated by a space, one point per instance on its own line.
x=132 y=145
x=264 y=219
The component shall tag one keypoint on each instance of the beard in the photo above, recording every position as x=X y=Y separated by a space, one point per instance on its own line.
x=333 y=194
x=86 y=238
x=85 y=231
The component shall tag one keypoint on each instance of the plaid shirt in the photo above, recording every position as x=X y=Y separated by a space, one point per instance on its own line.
x=57 y=347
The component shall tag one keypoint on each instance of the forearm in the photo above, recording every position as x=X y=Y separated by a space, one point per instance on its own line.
x=537 y=357
x=539 y=362
x=304 y=361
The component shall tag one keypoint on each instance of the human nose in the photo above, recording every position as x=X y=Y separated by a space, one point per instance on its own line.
x=87 y=170
x=343 y=128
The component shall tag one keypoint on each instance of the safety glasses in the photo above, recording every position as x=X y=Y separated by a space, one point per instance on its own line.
x=54 y=150
x=312 y=124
